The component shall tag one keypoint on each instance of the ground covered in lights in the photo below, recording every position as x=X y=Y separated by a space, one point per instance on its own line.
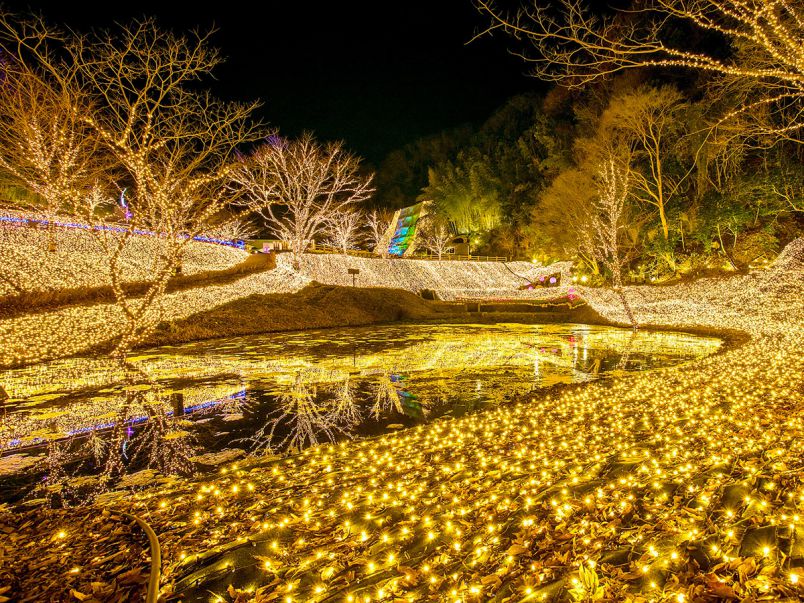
x=680 y=484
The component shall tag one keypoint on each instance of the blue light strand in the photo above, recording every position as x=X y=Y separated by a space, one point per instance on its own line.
x=200 y=238
x=201 y=406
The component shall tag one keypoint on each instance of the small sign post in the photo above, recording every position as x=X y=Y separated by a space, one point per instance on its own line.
x=354 y=272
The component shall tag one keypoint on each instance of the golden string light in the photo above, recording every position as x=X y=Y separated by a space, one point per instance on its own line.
x=668 y=485
x=78 y=395
x=79 y=262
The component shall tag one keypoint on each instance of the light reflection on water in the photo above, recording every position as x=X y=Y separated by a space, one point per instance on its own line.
x=283 y=392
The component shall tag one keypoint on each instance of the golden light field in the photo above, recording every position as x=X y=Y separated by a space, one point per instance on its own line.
x=681 y=484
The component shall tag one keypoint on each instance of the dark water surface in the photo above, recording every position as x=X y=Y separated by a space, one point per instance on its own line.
x=80 y=425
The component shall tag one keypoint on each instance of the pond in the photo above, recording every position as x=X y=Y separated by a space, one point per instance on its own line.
x=79 y=426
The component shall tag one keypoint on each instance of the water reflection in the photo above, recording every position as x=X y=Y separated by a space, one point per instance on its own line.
x=302 y=416
x=76 y=426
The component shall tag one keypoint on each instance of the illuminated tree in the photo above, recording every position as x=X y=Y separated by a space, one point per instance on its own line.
x=434 y=233
x=378 y=222
x=45 y=144
x=764 y=66
x=342 y=228
x=607 y=223
x=297 y=185
x=173 y=144
x=232 y=229
x=95 y=203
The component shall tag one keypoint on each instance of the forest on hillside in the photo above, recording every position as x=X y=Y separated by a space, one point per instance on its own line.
x=701 y=198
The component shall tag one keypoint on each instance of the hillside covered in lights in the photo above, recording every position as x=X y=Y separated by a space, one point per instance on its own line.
x=680 y=484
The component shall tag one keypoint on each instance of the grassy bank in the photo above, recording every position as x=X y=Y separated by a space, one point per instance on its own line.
x=316 y=306
x=30 y=302
x=320 y=306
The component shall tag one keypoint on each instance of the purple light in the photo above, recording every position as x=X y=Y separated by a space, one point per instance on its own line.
x=275 y=141
x=124 y=205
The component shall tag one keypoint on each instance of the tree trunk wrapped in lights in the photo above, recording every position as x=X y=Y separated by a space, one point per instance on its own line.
x=435 y=234
x=608 y=222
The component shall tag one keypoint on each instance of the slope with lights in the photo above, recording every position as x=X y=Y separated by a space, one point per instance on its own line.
x=79 y=259
x=680 y=484
x=450 y=279
x=71 y=330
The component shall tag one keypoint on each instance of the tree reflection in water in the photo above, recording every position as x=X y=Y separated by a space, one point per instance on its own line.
x=102 y=421
x=87 y=463
x=386 y=396
x=346 y=407
x=303 y=419
x=163 y=444
x=325 y=406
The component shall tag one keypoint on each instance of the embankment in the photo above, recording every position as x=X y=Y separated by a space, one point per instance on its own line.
x=315 y=306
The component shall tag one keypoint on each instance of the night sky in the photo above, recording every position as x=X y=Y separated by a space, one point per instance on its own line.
x=376 y=74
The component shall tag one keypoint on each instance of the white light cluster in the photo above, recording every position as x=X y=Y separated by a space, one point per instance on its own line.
x=72 y=330
x=75 y=329
x=80 y=260
x=450 y=279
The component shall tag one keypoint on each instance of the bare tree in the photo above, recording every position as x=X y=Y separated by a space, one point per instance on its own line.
x=379 y=221
x=562 y=215
x=574 y=47
x=45 y=145
x=232 y=229
x=435 y=234
x=793 y=197
x=343 y=228
x=310 y=181
x=646 y=120
x=173 y=143
x=95 y=204
x=608 y=223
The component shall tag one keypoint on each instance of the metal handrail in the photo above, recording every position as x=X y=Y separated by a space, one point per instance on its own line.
x=337 y=250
